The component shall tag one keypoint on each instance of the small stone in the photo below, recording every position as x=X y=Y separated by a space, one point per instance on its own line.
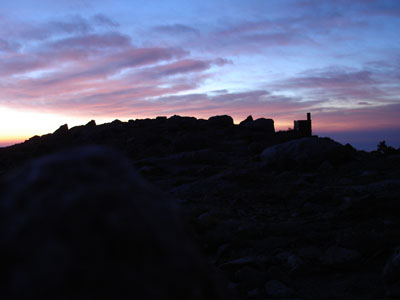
x=254 y=293
x=250 y=277
x=209 y=218
x=276 y=289
x=245 y=261
x=338 y=256
x=309 y=253
x=291 y=261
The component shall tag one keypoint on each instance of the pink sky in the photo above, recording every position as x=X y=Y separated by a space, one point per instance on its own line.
x=73 y=61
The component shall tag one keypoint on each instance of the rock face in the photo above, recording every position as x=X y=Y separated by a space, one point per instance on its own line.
x=82 y=224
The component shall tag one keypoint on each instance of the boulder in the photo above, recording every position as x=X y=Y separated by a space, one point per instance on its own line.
x=264 y=124
x=82 y=224
x=181 y=123
x=261 y=124
x=220 y=121
x=310 y=151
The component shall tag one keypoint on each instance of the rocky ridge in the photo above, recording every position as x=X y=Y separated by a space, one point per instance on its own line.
x=280 y=216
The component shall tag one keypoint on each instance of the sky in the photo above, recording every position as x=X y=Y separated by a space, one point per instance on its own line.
x=71 y=61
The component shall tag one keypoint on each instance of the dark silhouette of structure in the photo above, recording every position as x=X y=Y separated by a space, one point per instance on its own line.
x=303 y=127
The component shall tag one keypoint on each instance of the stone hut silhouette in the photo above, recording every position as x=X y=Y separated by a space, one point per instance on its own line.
x=303 y=127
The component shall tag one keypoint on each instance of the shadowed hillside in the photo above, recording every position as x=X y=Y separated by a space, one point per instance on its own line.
x=275 y=214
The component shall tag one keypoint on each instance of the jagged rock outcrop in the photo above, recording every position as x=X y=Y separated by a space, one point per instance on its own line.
x=247 y=121
x=62 y=130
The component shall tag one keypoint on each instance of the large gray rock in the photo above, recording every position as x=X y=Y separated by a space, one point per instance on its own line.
x=82 y=224
x=305 y=151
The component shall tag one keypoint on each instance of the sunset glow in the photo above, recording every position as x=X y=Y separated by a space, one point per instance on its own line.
x=74 y=61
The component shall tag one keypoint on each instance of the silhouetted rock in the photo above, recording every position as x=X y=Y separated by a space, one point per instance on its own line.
x=62 y=130
x=247 y=121
x=304 y=152
x=161 y=119
x=91 y=124
x=117 y=122
x=83 y=225
x=182 y=121
x=220 y=121
x=261 y=124
x=266 y=125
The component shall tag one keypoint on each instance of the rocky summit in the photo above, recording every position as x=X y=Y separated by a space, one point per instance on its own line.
x=187 y=208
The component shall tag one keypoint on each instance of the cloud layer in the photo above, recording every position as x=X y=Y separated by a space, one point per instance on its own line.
x=337 y=59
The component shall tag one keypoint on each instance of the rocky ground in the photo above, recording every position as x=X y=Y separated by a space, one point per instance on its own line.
x=279 y=216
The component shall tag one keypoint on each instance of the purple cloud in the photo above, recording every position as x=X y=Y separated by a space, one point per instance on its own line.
x=289 y=32
x=71 y=25
x=6 y=46
x=332 y=80
x=176 y=29
x=182 y=67
x=21 y=64
x=75 y=25
x=341 y=84
x=361 y=118
x=102 y=20
x=42 y=31
x=93 y=41
x=222 y=62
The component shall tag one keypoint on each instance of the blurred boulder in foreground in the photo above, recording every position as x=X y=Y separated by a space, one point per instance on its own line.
x=307 y=152
x=82 y=224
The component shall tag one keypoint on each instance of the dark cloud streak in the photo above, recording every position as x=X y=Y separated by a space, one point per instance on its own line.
x=176 y=29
